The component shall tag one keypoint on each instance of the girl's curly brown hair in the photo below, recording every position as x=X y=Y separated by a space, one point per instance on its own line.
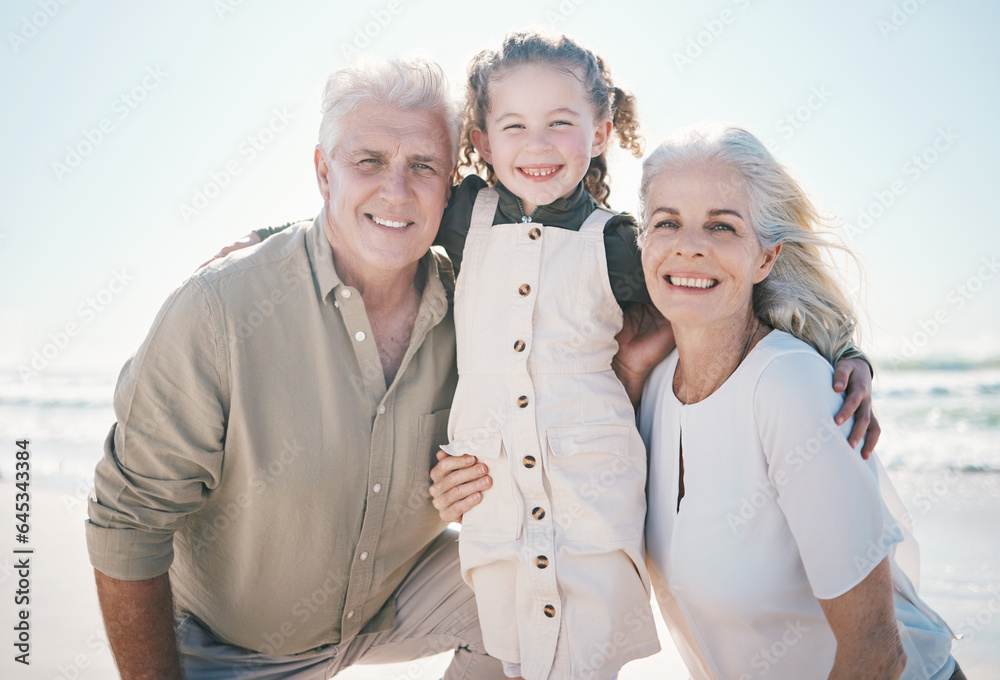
x=531 y=47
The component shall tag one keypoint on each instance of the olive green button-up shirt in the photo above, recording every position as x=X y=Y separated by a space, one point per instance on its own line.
x=259 y=455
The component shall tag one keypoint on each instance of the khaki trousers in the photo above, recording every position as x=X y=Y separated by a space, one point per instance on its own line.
x=435 y=612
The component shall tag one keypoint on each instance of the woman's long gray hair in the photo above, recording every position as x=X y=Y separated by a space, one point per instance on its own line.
x=802 y=295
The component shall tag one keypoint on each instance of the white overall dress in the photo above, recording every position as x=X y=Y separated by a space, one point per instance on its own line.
x=554 y=552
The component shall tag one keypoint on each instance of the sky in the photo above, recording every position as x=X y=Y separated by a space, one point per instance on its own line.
x=140 y=138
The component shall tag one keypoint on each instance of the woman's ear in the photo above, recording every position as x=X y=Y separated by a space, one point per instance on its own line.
x=770 y=257
x=481 y=141
x=601 y=137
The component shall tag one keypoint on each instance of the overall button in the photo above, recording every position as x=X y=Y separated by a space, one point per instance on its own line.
x=538 y=513
x=535 y=233
x=528 y=462
x=519 y=345
x=549 y=610
x=541 y=561
x=524 y=290
x=522 y=401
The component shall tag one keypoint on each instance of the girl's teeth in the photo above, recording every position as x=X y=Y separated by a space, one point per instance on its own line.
x=692 y=283
x=538 y=173
x=388 y=223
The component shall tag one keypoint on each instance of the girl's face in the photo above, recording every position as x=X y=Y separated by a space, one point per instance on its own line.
x=700 y=255
x=540 y=133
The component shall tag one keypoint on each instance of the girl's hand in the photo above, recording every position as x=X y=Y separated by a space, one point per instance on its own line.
x=645 y=338
x=854 y=376
x=250 y=239
x=458 y=483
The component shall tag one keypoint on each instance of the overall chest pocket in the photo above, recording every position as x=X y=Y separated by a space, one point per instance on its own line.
x=597 y=481
x=497 y=518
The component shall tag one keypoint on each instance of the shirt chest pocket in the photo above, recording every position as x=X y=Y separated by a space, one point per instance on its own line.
x=597 y=477
x=497 y=518
x=432 y=434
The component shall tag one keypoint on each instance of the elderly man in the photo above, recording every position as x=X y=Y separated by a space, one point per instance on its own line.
x=262 y=507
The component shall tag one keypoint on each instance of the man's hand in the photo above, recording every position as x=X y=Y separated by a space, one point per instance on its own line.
x=139 y=620
x=458 y=483
x=250 y=239
x=645 y=338
x=854 y=376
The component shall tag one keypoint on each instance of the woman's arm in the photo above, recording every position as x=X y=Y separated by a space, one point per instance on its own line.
x=864 y=622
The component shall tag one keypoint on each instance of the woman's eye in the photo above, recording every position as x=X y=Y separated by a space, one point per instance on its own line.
x=670 y=224
x=722 y=226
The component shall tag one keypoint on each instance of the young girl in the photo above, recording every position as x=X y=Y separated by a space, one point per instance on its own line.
x=554 y=550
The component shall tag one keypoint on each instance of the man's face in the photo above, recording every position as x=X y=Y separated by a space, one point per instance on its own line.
x=386 y=187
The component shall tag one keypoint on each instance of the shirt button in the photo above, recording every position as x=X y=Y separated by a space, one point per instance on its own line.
x=350 y=614
x=549 y=610
x=541 y=561
x=519 y=345
x=364 y=556
x=359 y=336
x=528 y=462
x=524 y=289
x=336 y=303
x=522 y=401
x=535 y=233
x=345 y=293
x=381 y=409
x=377 y=488
x=538 y=513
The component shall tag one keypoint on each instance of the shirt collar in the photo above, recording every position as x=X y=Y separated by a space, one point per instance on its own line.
x=328 y=281
x=562 y=212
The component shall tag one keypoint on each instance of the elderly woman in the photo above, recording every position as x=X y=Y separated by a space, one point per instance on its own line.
x=769 y=544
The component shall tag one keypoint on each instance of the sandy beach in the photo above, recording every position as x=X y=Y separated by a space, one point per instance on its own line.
x=956 y=519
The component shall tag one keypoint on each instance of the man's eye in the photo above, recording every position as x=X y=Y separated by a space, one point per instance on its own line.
x=423 y=167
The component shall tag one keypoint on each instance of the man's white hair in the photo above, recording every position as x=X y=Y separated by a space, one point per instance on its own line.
x=410 y=84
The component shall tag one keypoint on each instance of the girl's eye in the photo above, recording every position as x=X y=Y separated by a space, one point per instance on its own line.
x=514 y=126
x=561 y=122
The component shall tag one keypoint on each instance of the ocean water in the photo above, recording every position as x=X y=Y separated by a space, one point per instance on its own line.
x=940 y=444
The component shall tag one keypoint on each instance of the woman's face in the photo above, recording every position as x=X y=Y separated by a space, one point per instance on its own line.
x=700 y=255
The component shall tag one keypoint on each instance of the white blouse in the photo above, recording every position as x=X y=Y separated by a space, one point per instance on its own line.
x=777 y=511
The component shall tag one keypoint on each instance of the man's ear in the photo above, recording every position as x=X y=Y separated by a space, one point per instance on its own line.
x=770 y=257
x=481 y=141
x=322 y=163
x=601 y=137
